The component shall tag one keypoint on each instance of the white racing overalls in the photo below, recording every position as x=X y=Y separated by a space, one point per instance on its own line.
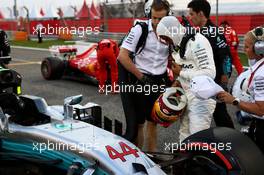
x=198 y=60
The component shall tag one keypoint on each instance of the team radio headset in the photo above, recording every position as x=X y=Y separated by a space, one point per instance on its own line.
x=148 y=6
x=258 y=48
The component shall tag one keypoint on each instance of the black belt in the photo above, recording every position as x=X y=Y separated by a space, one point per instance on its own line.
x=161 y=76
x=161 y=79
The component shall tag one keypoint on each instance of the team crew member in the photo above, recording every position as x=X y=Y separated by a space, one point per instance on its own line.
x=107 y=52
x=148 y=68
x=254 y=49
x=4 y=46
x=232 y=41
x=197 y=60
x=199 y=12
x=39 y=32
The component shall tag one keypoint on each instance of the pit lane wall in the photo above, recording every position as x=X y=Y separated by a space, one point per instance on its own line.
x=114 y=28
x=241 y=23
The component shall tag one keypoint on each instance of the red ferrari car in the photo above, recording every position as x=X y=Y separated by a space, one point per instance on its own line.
x=65 y=61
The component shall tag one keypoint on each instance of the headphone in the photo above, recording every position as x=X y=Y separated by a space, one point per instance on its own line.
x=149 y=3
x=258 y=47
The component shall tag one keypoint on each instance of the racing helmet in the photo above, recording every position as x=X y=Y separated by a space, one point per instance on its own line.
x=240 y=88
x=147 y=7
x=170 y=27
x=169 y=106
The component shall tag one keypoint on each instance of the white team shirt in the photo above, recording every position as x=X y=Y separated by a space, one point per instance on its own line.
x=256 y=87
x=154 y=57
x=198 y=60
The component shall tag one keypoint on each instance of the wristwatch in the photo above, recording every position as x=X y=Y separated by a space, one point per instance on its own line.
x=236 y=101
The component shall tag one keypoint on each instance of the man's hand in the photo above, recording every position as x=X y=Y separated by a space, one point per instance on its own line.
x=176 y=83
x=176 y=69
x=225 y=97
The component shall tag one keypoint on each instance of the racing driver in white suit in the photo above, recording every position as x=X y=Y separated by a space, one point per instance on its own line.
x=195 y=58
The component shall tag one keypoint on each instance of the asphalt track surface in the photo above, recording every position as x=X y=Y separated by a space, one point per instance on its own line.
x=27 y=63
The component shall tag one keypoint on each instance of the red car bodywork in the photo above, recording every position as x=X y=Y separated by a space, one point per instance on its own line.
x=86 y=62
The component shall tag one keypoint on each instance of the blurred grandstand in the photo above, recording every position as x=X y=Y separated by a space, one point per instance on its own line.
x=114 y=18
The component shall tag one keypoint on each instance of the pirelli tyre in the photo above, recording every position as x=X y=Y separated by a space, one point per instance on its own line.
x=52 y=68
x=221 y=151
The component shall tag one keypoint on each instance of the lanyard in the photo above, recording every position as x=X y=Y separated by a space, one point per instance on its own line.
x=253 y=73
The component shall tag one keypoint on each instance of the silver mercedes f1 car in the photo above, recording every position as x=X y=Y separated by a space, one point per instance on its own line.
x=71 y=139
